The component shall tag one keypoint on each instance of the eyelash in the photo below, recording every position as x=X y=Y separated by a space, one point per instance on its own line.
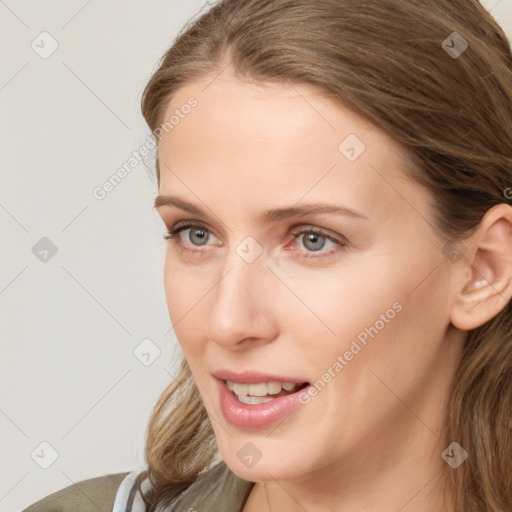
x=172 y=235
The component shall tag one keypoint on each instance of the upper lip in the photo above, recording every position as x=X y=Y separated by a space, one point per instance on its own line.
x=253 y=377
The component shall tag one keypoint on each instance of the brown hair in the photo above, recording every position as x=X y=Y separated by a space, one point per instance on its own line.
x=386 y=60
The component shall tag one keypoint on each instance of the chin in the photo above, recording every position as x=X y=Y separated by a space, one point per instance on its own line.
x=261 y=465
x=260 y=472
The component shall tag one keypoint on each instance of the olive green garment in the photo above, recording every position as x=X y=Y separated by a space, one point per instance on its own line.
x=93 y=495
x=217 y=490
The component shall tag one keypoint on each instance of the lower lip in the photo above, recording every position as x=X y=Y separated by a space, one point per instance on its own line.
x=256 y=416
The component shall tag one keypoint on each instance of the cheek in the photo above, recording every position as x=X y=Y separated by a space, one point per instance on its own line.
x=393 y=344
x=380 y=314
x=372 y=360
x=339 y=304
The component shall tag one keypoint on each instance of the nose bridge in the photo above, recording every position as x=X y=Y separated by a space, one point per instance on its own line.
x=242 y=272
x=237 y=288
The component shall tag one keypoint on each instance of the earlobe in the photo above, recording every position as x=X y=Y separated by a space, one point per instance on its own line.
x=489 y=266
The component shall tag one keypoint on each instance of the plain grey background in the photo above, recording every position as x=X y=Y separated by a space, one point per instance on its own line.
x=86 y=341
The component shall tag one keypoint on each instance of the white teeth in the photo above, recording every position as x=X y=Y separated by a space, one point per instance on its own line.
x=260 y=389
x=240 y=389
x=273 y=387
x=254 y=400
x=257 y=389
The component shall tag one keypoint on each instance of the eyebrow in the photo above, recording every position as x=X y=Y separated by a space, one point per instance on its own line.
x=273 y=215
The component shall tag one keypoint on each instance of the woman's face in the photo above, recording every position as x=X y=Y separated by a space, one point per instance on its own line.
x=265 y=288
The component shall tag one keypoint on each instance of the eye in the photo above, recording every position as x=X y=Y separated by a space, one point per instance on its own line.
x=314 y=240
x=198 y=234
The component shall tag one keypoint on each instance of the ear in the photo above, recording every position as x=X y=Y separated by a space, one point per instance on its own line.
x=486 y=271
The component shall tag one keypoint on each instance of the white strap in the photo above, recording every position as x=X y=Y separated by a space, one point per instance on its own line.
x=123 y=494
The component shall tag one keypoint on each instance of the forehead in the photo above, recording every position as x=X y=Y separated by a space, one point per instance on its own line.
x=269 y=139
x=279 y=111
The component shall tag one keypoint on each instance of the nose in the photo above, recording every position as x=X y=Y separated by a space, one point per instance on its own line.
x=242 y=314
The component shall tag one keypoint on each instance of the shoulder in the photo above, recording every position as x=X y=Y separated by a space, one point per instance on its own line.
x=93 y=494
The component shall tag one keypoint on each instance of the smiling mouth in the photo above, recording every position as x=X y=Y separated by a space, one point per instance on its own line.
x=263 y=392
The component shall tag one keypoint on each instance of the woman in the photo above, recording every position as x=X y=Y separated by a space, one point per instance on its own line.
x=400 y=112
x=334 y=177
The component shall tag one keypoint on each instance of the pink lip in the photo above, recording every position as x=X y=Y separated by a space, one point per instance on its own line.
x=256 y=416
x=250 y=377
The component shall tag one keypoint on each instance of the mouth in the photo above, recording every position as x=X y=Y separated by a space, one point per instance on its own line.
x=263 y=392
x=255 y=401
